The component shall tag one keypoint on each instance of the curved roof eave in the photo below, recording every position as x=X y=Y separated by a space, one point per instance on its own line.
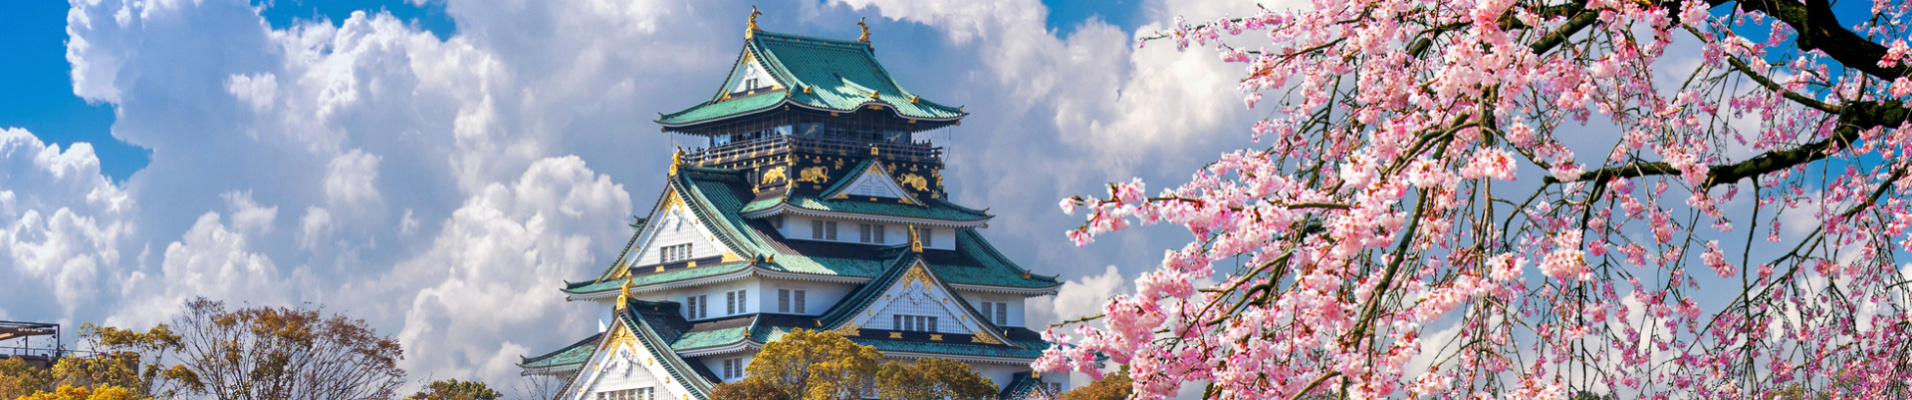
x=792 y=102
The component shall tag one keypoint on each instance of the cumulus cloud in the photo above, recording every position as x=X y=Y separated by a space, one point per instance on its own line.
x=350 y=178
x=61 y=222
x=1076 y=298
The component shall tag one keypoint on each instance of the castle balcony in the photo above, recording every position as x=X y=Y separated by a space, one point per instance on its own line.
x=716 y=156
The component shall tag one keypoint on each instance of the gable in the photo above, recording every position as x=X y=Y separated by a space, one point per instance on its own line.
x=873 y=181
x=674 y=230
x=752 y=76
x=918 y=293
x=623 y=363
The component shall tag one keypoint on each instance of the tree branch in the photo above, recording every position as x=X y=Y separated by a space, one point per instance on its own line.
x=1858 y=117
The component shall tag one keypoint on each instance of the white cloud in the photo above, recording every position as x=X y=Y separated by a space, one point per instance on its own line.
x=315 y=228
x=258 y=91
x=494 y=264
x=1077 y=298
x=61 y=222
x=352 y=178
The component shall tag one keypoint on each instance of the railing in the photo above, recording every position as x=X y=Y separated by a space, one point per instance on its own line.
x=916 y=152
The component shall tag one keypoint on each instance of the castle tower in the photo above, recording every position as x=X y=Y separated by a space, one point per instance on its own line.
x=812 y=206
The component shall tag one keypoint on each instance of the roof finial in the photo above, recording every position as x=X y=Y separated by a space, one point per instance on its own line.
x=752 y=30
x=916 y=243
x=624 y=294
x=676 y=160
x=866 y=31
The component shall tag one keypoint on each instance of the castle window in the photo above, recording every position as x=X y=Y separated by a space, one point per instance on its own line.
x=629 y=394
x=790 y=301
x=697 y=307
x=870 y=233
x=675 y=253
x=734 y=302
x=733 y=368
x=927 y=236
x=777 y=222
x=914 y=323
x=823 y=230
x=996 y=312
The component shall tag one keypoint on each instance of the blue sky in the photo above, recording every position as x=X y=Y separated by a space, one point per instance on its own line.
x=44 y=102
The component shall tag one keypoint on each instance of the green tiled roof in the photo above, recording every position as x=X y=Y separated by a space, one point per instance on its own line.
x=936 y=208
x=838 y=75
x=574 y=354
x=713 y=196
x=718 y=337
x=1028 y=349
x=995 y=269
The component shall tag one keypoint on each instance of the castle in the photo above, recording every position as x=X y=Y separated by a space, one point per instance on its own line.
x=813 y=206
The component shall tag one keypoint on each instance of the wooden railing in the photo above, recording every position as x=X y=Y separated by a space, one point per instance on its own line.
x=742 y=150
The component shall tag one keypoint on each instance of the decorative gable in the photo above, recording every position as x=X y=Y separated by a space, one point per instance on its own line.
x=622 y=365
x=873 y=181
x=674 y=234
x=753 y=77
x=911 y=300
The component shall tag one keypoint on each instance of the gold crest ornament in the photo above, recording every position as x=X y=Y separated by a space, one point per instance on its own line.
x=816 y=174
x=866 y=31
x=775 y=174
x=915 y=181
x=752 y=30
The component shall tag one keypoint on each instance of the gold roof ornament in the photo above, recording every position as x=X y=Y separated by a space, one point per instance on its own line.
x=866 y=31
x=677 y=159
x=876 y=94
x=916 y=243
x=624 y=294
x=751 y=31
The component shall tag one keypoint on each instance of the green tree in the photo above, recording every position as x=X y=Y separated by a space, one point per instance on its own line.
x=932 y=378
x=1114 y=386
x=456 y=390
x=749 y=389
x=815 y=365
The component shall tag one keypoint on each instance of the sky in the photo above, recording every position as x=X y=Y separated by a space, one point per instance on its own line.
x=439 y=167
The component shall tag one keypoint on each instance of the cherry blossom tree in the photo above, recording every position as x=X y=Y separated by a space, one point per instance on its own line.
x=1533 y=199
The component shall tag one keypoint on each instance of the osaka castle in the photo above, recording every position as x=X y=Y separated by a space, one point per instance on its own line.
x=812 y=206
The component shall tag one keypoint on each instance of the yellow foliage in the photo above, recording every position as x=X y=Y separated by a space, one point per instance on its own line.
x=81 y=393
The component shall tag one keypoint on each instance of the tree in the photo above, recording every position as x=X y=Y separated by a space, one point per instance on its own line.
x=106 y=392
x=816 y=365
x=455 y=390
x=17 y=379
x=932 y=378
x=1423 y=154
x=749 y=389
x=280 y=353
x=1111 y=387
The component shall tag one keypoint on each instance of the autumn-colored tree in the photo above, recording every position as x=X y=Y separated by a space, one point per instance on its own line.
x=815 y=365
x=17 y=379
x=282 y=353
x=105 y=392
x=749 y=389
x=1115 y=386
x=456 y=390
x=1642 y=199
x=932 y=378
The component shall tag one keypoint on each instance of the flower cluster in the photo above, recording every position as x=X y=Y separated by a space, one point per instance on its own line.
x=1385 y=239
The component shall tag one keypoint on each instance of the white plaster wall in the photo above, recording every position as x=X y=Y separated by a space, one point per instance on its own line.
x=677 y=226
x=752 y=303
x=817 y=298
x=797 y=227
x=620 y=370
x=1015 y=302
x=606 y=311
x=716 y=363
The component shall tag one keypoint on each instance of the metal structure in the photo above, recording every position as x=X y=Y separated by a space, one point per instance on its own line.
x=24 y=333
